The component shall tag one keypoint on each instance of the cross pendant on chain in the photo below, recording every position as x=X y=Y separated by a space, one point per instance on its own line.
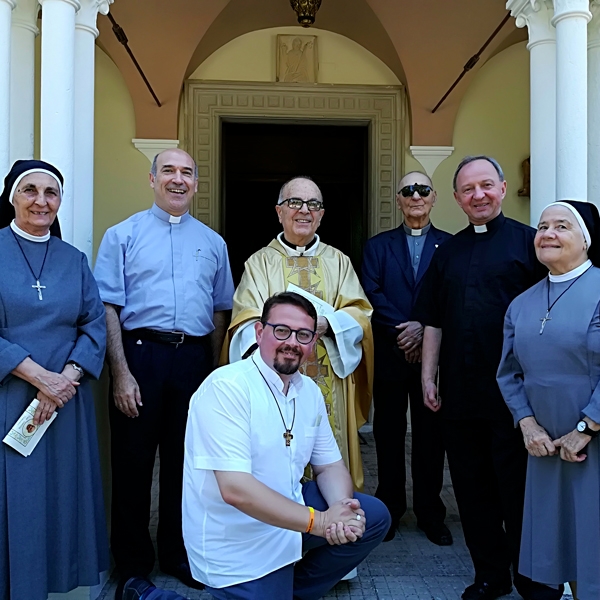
x=39 y=289
x=546 y=318
x=288 y=437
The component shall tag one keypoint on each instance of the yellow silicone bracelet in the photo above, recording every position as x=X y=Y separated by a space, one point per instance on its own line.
x=311 y=519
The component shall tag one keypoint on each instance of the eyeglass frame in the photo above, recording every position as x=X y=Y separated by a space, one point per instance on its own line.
x=295 y=331
x=415 y=188
x=303 y=203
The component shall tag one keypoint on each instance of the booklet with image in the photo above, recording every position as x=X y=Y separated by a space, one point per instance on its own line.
x=24 y=435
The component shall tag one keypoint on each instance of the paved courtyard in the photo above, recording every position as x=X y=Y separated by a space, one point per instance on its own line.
x=407 y=568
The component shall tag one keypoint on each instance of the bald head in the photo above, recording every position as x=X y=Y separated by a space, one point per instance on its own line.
x=303 y=180
x=413 y=177
x=177 y=151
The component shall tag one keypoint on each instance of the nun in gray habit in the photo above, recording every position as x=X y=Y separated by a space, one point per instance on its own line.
x=52 y=341
x=550 y=379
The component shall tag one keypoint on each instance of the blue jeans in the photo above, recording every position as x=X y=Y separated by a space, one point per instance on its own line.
x=321 y=567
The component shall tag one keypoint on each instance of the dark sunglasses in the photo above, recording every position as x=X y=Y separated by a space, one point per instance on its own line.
x=422 y=190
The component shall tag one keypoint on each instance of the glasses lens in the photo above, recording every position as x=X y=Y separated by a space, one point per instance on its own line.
x=422 y=190
x=304 y=336
x=281 y=332
x=294 y=202
x=314 y=205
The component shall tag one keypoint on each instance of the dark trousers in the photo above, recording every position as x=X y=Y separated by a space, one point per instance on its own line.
x=167 y=376
x=488 y=462
x=427 y=463
x=322 y=565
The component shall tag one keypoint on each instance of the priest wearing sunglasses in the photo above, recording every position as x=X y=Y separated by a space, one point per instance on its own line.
x=393 y=268
x=341 y=363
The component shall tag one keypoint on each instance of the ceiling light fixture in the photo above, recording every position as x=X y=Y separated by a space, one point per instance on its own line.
x=306 y=11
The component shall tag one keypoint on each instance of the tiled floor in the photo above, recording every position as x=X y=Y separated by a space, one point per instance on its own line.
x=407 y=568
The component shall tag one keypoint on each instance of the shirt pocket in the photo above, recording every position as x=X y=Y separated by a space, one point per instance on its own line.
x=205 y=269
x=306 y=445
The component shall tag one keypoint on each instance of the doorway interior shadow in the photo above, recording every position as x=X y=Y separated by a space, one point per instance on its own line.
x=259 y=157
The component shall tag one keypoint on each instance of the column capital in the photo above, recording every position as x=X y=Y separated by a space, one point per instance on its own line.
x=11 y=3
x=431 y=156
x=151 y=147
x=88 y=13
x=74 y=3
x=568 y=9
x=25 y=15
x=537 y=16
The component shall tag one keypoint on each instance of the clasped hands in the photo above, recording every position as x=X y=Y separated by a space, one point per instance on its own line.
x=409 y=340
x=539 y=443
x=343 y=522
x=55 y=390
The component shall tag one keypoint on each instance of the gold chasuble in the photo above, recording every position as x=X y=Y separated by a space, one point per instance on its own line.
x=329 y=275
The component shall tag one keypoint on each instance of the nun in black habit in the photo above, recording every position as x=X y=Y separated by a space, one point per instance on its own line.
x=52 y=341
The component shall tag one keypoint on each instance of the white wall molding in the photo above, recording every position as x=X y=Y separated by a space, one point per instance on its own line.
x=151 y=147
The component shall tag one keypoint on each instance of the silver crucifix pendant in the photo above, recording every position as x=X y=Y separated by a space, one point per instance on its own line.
x=544 y=320
x=39 y=289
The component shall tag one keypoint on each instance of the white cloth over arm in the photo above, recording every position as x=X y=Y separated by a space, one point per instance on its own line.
x=344 y=350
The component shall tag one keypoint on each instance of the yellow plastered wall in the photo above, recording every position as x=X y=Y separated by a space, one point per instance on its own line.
x=121 y=172
x=251 y=57
x=493 y=119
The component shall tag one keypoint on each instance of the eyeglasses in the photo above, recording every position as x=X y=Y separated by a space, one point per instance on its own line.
x=283 y=332
x=422 y=190
x=297 y=203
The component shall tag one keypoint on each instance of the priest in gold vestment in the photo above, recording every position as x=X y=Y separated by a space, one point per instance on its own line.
x=342 y=363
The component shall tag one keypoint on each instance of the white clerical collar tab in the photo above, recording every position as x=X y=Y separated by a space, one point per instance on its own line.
x=480 y=228
x=416 y=232
x=173 y=219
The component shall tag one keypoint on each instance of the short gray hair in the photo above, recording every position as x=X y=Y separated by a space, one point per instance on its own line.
x=284 y=186
x=154 y=171
x=469 y=159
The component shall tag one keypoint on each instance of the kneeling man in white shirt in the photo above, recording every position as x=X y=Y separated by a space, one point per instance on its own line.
x=251 y=528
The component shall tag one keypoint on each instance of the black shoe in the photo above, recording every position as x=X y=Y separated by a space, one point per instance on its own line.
x=183 y=573
x=437 y=533
x=135 y=587
x=532 y=590
x=391 y=533
x=486 y=591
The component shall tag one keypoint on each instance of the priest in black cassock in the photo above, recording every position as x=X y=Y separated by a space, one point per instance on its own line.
x=472 y=279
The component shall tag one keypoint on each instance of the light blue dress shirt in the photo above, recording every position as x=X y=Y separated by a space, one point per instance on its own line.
x=167 y=273
x=415 y=239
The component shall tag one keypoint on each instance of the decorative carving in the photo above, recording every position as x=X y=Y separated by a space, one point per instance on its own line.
x=306 y=11
x=207 y=104
x=297 y=58
x=525 y=190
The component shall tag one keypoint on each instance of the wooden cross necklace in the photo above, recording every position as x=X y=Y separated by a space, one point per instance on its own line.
x=37 y=285
x=551 y=306
x=287 y=436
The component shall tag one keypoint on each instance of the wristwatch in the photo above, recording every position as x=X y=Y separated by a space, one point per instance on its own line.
x=583 y=427
x=77 y=368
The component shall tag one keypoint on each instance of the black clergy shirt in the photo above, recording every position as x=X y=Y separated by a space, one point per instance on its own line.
x=472 y=279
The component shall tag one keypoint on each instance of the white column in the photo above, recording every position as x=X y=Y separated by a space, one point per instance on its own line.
x=57 y=98
x=431 y=156
x=570 y=19
x=6 y=8
x=537 y=16
x=83 y=182
x=22 y=79
x=594 y=105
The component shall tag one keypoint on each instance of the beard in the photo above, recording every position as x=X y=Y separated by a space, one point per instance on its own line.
x=287 y=366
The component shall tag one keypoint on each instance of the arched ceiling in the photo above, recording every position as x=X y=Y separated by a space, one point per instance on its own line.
x=424 y=42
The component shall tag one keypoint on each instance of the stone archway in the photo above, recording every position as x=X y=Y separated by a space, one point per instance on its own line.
x=207 y=104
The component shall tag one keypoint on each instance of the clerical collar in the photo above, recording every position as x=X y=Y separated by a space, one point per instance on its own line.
x=28 y=236
x=490 y=226
x=576 y=272
x=163 y=215
x=416 y=232
x=294 y=250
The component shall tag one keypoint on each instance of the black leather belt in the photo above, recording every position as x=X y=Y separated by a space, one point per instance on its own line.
x=166 y=337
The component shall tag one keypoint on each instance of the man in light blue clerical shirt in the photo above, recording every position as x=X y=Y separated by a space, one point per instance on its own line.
x=165 y=280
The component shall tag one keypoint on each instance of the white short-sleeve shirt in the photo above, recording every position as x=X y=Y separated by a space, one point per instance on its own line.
x=234 y=425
